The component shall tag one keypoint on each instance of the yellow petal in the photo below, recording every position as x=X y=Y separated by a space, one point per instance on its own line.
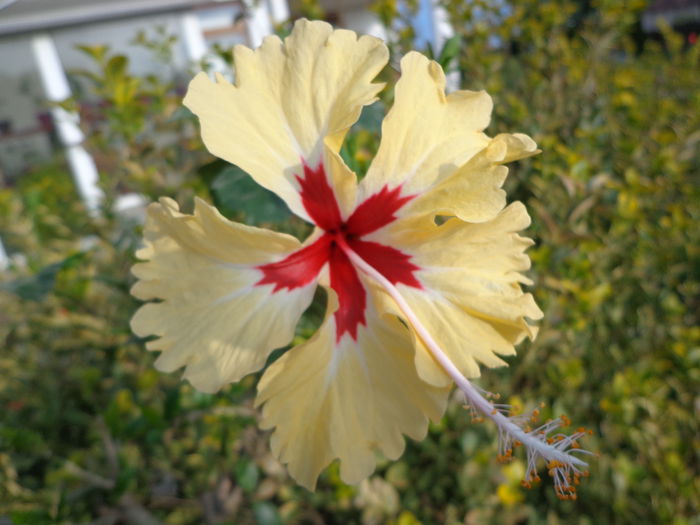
x=289 y=100
x=348 y=399
x=471 y=302
x=473 y=192
x=211 y=317
x=426 y=136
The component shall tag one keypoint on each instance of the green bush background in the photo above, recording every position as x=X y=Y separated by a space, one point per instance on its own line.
x=91 y=433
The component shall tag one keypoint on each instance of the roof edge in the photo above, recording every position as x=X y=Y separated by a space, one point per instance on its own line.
x=76 y=16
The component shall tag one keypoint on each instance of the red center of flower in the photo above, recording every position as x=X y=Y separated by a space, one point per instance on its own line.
x=302 y=267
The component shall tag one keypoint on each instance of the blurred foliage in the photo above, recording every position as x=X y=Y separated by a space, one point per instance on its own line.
x=91 y=433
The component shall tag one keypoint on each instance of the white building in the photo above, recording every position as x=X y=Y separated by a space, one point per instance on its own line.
x=38 y=41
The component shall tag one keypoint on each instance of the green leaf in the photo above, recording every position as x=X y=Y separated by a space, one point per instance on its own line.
x=38 y=286
x=266 y=514
x=247 y=475
x=371 y=117
x=235 y=193
x=171 y=407
x=97 y=53
x=116 y=67
x=449 y=51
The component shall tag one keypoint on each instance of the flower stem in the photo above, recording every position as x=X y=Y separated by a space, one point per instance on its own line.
x=540 y=443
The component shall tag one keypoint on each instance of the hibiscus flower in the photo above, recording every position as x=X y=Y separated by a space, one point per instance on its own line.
x=415 y=303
